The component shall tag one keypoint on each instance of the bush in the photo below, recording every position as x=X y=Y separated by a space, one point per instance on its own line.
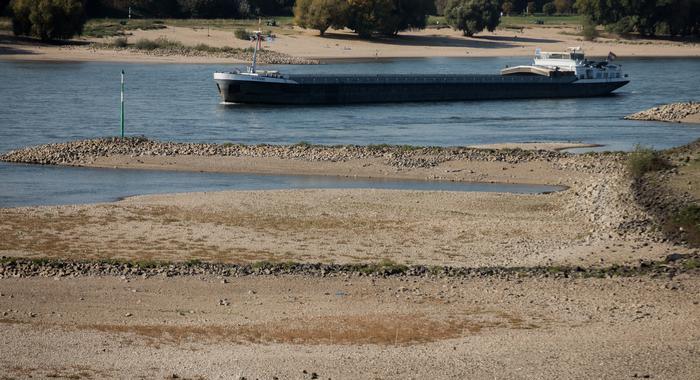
x=589 y=31
x=549 y=9
x=120 y=42
x=643 y=160
x=241 y=34
x=473 y=16
x=687 y=222
x=623 y=27
x=158 y=43
x=48 y=19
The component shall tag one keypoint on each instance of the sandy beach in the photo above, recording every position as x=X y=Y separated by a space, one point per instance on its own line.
x=344 y=45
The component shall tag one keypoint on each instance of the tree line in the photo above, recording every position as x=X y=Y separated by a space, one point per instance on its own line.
x=365 y=17
x=61 y=19
x=188 y=8
x=646 y=17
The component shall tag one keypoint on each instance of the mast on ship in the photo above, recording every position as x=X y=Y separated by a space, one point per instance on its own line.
x=255 y=52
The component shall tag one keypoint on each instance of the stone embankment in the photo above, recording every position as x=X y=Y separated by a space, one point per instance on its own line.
x=83 y=151
x=674 y=112
x=674 y=264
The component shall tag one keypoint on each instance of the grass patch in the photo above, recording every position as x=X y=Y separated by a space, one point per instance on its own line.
x=120 y=42
x=282 y=22
x=5 y=23
x=193 y=262
x=111 y=27
x=241 y=34
x=643 y=160
x=102 y=28
x=158 y=43
x=691 y=264
x=303 y=144
x=165 y=45
x=555 y=20
x=519 y=21
x=687 y=220
x=397 y=148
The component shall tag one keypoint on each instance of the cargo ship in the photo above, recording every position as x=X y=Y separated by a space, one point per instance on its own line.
x=552 y=75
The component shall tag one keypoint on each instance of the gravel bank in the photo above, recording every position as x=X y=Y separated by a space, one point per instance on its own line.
x=267 y=57
x=82 y=151
x=674 y=264
x=674 y=112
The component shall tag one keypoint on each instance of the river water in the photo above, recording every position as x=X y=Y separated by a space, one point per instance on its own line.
x=52 y=102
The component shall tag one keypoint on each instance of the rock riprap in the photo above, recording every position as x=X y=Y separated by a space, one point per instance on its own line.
x=81 y=152
x=674 y=112
x=11 y=267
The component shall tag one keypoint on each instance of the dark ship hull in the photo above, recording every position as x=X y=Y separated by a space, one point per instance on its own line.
x=308 y=89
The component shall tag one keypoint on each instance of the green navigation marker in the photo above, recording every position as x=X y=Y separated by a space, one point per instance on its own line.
x=122 y=118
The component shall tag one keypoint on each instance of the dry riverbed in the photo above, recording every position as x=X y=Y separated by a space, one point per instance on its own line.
x=343 y=328
x=357 y=323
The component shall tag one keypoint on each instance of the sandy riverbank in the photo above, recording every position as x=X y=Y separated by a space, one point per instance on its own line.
x=345 y=45
x=348 y=325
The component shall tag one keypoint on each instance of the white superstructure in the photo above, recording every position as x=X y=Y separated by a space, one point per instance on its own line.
x=573 y=60
x=252 y=74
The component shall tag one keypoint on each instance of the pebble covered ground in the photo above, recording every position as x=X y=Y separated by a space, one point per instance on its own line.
x=267 y=57
x=674 y=264
x=81 y=151
x=674 y=112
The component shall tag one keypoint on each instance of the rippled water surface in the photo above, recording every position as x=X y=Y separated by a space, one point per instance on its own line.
x=47 y=102
x=52 y=102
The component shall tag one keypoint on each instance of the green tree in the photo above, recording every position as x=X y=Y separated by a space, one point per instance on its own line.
x=531 y=7
x=549 y=9
x=647 y=17
x=589 y=31
x=48 y=19
x=507 y=7
x=407 y=14
x=440 y=7
x=563 y=6
x=473 y=16
x=321 y=14
x=367 y=16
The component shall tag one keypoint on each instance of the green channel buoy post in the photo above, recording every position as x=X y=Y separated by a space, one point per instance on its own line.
x=122 y=114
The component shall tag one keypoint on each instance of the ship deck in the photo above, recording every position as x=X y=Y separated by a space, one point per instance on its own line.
x=422 y=78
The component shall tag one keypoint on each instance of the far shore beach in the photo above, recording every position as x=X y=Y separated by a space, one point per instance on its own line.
x=342 y=45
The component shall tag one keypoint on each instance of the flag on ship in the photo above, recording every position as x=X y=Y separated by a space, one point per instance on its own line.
x=611 y=57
